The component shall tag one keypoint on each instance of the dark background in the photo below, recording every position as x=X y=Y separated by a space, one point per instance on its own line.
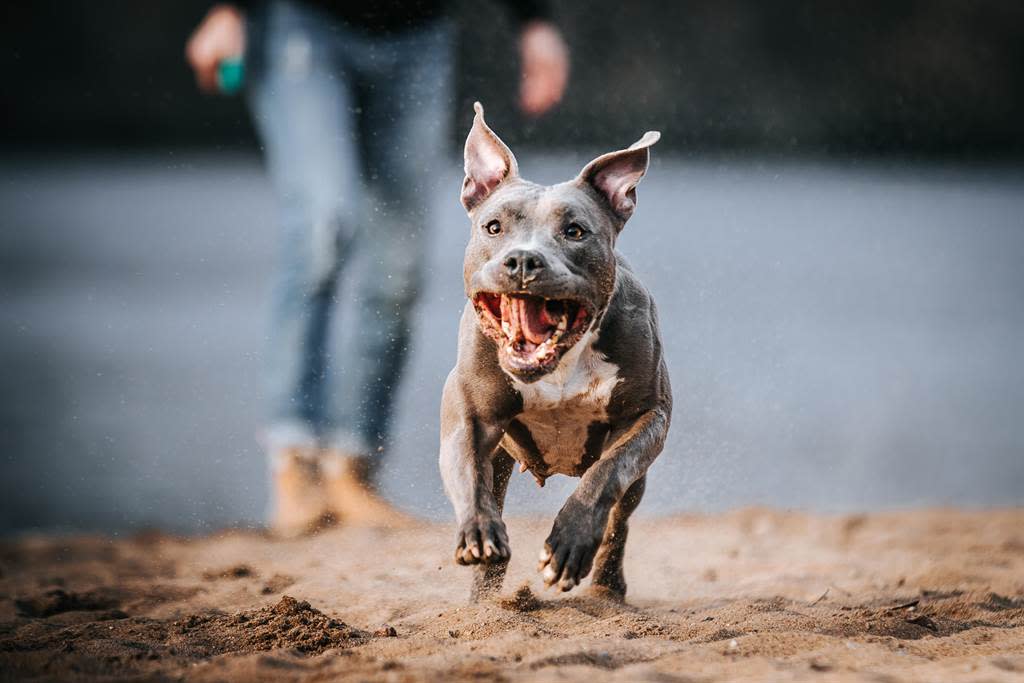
x=927 y=77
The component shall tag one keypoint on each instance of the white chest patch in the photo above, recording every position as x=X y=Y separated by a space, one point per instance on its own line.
x=559 y=407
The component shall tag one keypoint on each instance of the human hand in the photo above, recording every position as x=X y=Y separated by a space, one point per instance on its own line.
x=220 y=36
x=545 y=67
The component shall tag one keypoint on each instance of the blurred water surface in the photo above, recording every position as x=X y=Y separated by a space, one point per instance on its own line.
x=840 y=336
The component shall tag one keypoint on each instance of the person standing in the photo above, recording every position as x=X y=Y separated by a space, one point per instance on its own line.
x=351 y=101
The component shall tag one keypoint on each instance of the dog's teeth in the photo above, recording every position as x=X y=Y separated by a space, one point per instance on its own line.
x=506 y=328
x=522 y=467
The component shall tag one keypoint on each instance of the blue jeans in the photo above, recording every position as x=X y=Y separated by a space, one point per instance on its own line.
x=354 y=129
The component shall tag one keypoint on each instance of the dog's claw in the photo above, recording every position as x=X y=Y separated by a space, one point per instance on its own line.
x=482 y=540
x=569 y=551
x=494 y=553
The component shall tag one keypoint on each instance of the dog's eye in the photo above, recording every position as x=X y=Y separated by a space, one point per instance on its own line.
x=493 y=228
x=574 y=231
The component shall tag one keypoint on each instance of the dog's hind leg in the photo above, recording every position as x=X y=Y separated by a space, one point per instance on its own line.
x=609 y=580
x=487 y=578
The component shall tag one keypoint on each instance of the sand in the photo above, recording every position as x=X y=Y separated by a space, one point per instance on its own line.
x=753 y=595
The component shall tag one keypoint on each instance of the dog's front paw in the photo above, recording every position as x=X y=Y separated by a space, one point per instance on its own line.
x=569 y=550
x=482 y=539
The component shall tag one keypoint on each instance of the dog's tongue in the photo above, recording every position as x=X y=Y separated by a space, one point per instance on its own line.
x=529 y=315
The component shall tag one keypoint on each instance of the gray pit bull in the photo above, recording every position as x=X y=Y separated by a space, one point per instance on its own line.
x=560 y=364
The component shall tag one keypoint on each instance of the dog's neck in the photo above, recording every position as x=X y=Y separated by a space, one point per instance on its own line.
x=582 y=371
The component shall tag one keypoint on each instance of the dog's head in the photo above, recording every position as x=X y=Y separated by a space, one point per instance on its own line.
x=540 y=264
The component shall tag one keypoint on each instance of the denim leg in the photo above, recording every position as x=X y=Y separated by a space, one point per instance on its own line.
x=405 y=86
x=301 y=102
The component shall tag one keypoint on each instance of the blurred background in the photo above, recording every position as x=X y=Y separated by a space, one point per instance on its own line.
x=833 y=228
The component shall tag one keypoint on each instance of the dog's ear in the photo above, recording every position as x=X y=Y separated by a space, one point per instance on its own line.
x=489 y=162
x=615 y=175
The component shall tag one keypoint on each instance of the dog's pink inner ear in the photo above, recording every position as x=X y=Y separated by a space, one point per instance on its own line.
x=617 y=181
x=485 y=169
x=616 y=174
x=488 y=162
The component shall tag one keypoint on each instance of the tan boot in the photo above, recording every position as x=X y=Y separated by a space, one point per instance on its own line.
x=299 y=500
x=353 y=498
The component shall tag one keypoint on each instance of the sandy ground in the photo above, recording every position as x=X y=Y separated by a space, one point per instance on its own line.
x=750 y=595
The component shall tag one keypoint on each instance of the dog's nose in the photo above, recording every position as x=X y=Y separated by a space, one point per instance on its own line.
x=523 y=264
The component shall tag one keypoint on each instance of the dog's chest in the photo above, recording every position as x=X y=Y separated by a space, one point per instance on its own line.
x=560 y=408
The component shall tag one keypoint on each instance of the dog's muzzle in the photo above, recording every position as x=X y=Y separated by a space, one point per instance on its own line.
x=532 y=332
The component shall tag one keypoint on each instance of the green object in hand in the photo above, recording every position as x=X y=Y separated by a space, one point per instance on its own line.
x=230 y=75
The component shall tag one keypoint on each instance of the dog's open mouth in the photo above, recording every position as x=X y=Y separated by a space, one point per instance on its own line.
x=531 y=331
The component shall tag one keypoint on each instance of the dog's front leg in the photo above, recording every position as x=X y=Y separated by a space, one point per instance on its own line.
x=467 y=468
x=569 y=550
